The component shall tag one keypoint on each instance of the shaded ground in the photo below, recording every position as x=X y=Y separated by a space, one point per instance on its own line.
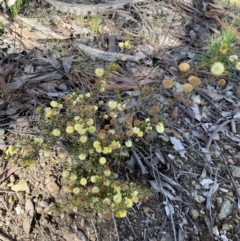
x=194 y=166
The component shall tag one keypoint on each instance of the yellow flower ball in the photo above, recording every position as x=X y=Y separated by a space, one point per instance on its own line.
x=9 y=151
x=95 y=189
x=82 y=156
x=76 y=190
x=112 y=104
x=91 y=129
x=106 y=201
x=107 y=150
x=54 y=103
x=187 y=88
x=233 y=58
x=73 y=177
x=78 y=127
x=65 y=173
x=90 y=122
x=184 y=67
x=168 y=83
x=83 y=139
x=128 y=143
x=160 y=127
x=94 y=179
x=121 y=44
x=217 y=68
x=194 y=81
x=237 y=66
x=121 y=214
x=127 y=44
x=82 y=131
x=117 y=198
x=107 y=173
x=96 y=144
x=102 y=160
x=87 y=95
x=128 y=202
x=69 y=129
x=99 y=72
x=83 y=181
x=224 y=48
x=56 y=132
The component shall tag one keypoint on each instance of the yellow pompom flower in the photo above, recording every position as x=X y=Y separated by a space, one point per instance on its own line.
x=160 y=127
x=94 y=179
x=168 y=83
x=82 y=131
x=107 y=150
x=95 y=189
x=83 y=181
x=237 y=66
x=99 y=72
x=121 y=44
x=121 y=214
x=102 y=160
x=90 y=122
x=184 y=67
x=224 y=48
x=69 y=129
x=187 y=88
x=54 y=103
x=128 y=143
x=73 y=177
x=112 y=104
x=65 y=173
x=9 y=151
x=82 y=156
x=117 y=198
x=83 y=139
x=77 y=127
x=107 y=173
x=128 y=202
x=91 y=129
x=233 y=58
x=106 y=201
x=217 y=68
x=96 y=144
x=76 y=190
x=56 y=132
x=127 y=44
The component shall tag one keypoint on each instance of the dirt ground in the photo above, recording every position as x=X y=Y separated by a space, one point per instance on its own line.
x=196 y=191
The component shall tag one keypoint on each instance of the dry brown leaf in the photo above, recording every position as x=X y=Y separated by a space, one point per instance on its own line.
x=7 y=173
x=29 y=210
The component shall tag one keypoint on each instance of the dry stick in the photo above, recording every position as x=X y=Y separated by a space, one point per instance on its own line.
x=216 y=131
x=115 y=225
x=130 y=225
x=95 y=230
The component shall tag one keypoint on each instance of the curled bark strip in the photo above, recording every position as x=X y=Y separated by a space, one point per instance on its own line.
x=106 y=56
x=217 y=130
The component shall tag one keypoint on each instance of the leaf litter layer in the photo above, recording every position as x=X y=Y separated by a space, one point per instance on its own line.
x=192 y=168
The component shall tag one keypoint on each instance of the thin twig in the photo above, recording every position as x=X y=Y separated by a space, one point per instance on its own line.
x=95 y=230
x=217 y=130
x=115 y=225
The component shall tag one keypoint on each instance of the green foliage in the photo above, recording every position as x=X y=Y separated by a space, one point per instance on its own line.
x=16 y=8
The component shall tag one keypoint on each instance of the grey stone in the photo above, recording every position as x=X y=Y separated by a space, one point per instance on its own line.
x=225 y=209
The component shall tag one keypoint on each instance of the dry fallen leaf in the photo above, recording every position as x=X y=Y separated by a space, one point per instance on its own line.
x=21 y=186
x=29 y=210
x=7 y=173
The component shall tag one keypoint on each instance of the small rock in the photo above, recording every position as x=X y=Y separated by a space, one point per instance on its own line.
x=237 y=156
x=225 y=209
x=235 y=171
x=230 y=161
x=215 y=230
x=53 y=188
x=43 y=204
x=21 y=186
x=146 y=209
x=194 y=214
x=219 y=202
x=226 y=227
x=199 y=199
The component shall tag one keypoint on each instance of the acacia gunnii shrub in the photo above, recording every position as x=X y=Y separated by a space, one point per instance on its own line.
x=96 y=130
